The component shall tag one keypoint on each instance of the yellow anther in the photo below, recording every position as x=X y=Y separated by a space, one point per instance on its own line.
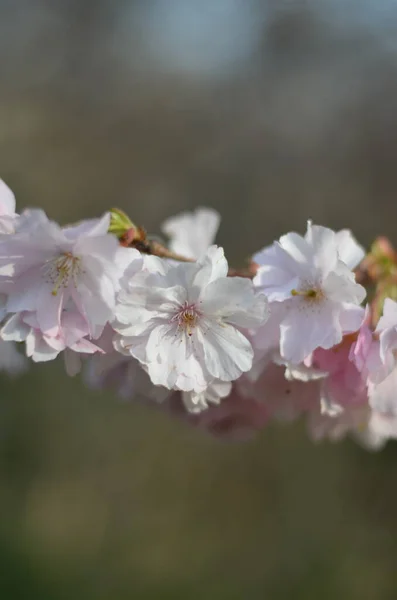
x=312 y=293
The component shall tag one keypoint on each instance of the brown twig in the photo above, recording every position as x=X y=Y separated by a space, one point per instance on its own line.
x=136 y=237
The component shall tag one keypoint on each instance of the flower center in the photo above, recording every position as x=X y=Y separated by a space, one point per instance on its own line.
x=310 y=294
x=58 y=271
x=187 y=318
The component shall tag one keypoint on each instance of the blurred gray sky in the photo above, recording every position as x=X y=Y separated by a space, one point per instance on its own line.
x=285 y=108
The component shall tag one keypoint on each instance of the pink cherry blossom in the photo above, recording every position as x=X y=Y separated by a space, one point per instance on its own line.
x=40 y=346
x=344 y=384
x=284 y=399
x=45 y=267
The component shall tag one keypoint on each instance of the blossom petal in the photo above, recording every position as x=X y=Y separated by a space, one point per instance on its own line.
x=192 y=233
x=212 y=266
x=305 y=331
x=7 y=200
x=349 y=250
x=233 y=299
x=323 y=247
x=226 y=351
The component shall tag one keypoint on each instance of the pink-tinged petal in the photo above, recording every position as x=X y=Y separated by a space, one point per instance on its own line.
x=38 y=350
x=345 y=387
x=360 y=350
x=84 y=346
x=74 y=327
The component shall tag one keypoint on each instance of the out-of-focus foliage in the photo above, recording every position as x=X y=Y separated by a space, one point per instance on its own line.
x=271 y=112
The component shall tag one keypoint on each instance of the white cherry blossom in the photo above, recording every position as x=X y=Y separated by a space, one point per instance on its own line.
x=184 y=325
x=191 y=233
x=316 y=289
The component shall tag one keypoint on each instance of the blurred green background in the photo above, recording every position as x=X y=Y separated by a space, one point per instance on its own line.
x=272 y=112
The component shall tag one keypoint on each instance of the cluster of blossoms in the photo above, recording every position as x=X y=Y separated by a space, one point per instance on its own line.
x=308 y=330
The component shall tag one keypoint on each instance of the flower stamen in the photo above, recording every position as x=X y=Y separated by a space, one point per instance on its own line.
x=187 y=318
x=61 y=269
x=310 y=294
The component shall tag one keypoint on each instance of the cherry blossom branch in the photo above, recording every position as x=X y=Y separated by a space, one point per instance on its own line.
x=378 y=265
x=132 y=236
x=307 y=329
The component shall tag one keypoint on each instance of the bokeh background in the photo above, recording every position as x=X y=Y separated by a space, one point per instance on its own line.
x=272 y=112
